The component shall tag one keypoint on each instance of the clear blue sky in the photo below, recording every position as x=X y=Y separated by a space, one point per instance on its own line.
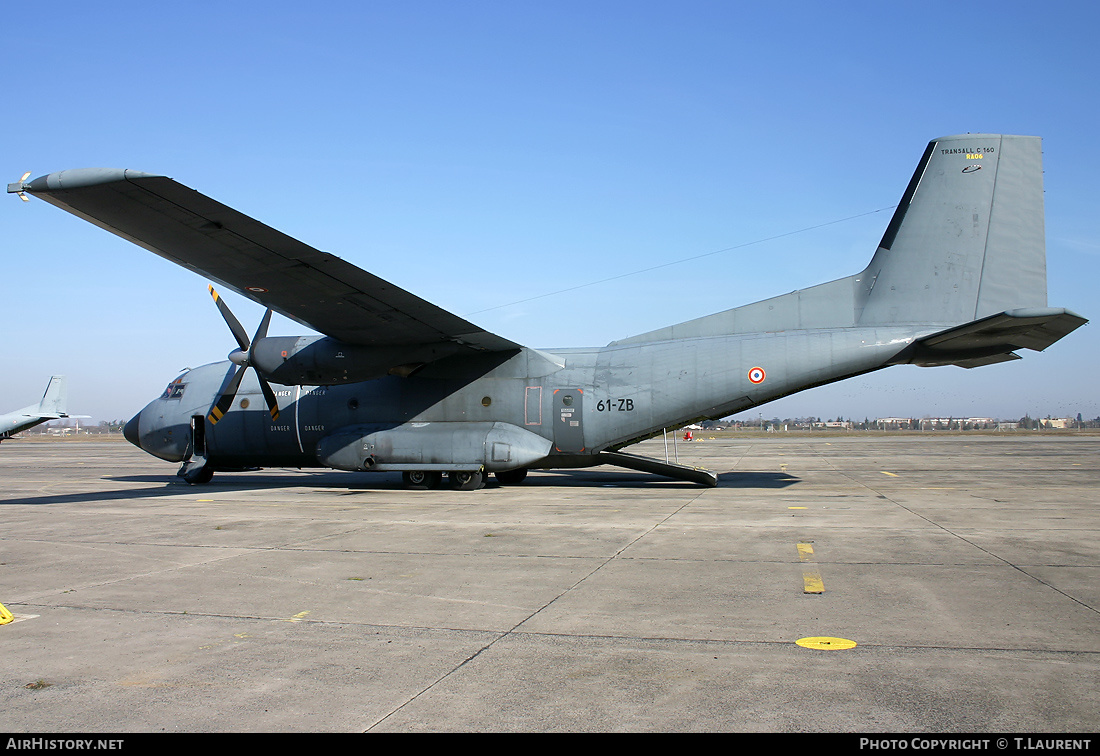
x=481 y=153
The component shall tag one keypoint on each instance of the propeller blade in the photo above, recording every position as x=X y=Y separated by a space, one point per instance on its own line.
x=225 y=401
x=234 y=325
x=261 y=331
x=269 y=395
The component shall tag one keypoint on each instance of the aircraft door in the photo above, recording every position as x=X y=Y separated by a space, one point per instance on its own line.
x=198 y=435
x=569 y=420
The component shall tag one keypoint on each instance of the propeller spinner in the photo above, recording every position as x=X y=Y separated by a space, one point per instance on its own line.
x=241 y=358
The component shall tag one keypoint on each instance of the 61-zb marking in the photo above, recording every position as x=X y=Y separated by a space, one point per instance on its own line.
x=620 y=405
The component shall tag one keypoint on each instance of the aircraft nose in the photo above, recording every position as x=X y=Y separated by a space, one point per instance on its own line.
x=130 y=431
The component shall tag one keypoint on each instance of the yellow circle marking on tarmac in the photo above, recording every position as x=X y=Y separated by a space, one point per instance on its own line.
x=826 y=644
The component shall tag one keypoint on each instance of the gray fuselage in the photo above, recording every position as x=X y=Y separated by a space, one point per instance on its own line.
x=582 y=401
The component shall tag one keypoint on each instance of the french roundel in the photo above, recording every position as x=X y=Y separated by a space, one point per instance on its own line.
x=757 y=375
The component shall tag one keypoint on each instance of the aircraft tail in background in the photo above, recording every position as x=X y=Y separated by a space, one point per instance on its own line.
x=55 y=400
x=53 y=406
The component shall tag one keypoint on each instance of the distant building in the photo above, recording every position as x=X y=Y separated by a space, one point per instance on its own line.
x=1058 y=422
x=957 y=423
x=893 y=423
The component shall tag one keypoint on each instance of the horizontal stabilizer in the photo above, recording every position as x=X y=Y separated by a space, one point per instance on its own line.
x=992 y=339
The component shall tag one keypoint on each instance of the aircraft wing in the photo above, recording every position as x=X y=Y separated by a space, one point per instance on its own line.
x=314 y=288
x=993 y=339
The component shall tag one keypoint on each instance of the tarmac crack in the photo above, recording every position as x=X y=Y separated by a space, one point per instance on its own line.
x=516 y=628
x=972 y=544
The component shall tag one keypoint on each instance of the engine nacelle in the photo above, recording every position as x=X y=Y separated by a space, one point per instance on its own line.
x=443 y=447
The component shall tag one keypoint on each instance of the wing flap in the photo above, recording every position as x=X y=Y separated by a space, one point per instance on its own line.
x=311 y=287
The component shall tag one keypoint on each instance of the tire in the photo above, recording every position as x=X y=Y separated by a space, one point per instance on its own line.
x=421 y=480
x=512 y=477
x=466 y=481
x=199 y=477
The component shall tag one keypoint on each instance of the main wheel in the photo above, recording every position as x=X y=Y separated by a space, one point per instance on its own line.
x=466 y=481
x=512 y=477
x=421 y=480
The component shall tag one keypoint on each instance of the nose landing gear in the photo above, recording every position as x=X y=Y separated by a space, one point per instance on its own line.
x=195 y=471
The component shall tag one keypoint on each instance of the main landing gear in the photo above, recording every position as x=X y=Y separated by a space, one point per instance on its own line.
x=196 y=472
x=421 y=480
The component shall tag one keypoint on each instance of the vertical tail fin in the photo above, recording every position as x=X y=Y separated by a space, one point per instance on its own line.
x=55 y=400
x=967 y=239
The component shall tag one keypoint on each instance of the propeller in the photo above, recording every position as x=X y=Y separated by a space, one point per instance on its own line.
x=240 y=358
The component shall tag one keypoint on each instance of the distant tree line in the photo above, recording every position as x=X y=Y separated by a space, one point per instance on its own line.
x=900 y=423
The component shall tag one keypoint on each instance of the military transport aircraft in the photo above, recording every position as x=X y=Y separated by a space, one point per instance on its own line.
x=52 y=407
x=398 y=384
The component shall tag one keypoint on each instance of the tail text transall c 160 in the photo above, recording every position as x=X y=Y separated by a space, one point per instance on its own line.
x=959 y=278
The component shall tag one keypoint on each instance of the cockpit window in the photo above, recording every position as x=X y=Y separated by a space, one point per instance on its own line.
x=174 y=390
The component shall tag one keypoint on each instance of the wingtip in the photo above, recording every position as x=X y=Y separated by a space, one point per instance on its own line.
x=81 y=177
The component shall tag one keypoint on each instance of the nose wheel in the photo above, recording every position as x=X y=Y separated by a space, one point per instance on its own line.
x=196 y=472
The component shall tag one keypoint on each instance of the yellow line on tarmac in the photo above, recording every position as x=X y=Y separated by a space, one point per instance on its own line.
x=811 y=577
x=811 y=581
